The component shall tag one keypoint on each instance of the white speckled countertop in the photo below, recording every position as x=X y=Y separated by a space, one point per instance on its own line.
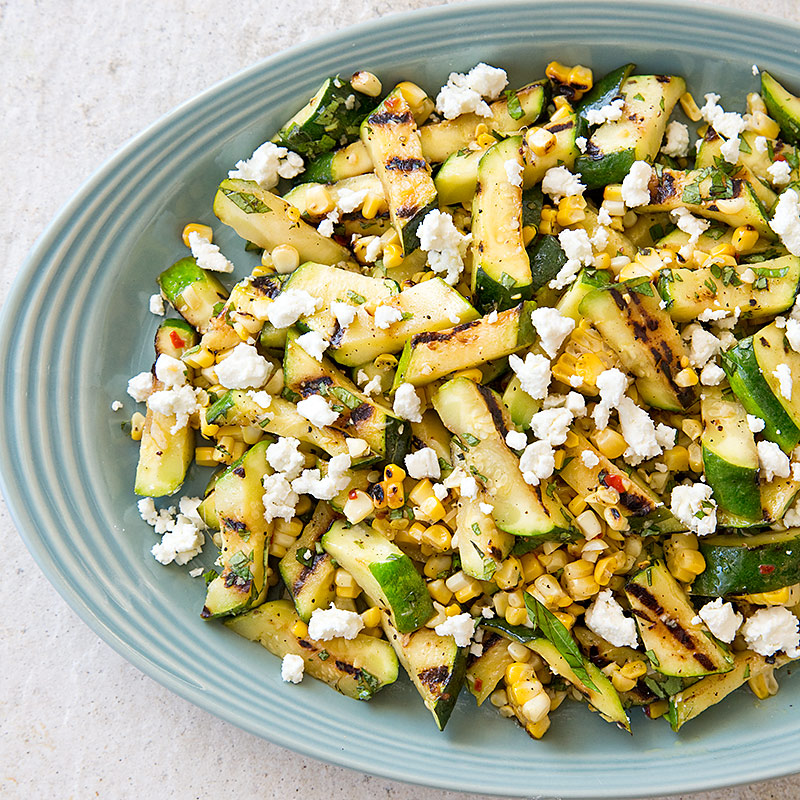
x=76 y=720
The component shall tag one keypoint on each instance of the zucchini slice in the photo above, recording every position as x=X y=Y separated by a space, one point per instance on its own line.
x=174 y=337
x=636 y=136
x=307 y=573
x=386 y=574
x=436 y=665
x=485 y=671
x=643 y=336
x=687 y=292
x=193 y=292
x=481 y=544
x=357 y=668
x=477 y=416
x=301 y=195
x=730 y=459
x=348 y=162
x=501 y=270
x=521 y=406
x=264 y=218
x=608 y=88
x=748 y=564
x=709 y=193
x=750 y=366
x=332 y=117
x=783 y=107
x=777 y=497
x=359 y=415
x=392 y=140
x=431 y=355
x=432 y=433
x=676 y=644
x=245 y=536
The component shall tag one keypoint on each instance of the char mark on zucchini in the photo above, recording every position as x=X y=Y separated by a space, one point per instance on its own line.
x=441 y=336
x=434 y=677
x=406 y=164
x=266 y=286
x=315 y=386
x=390 y=118
x=362 y=413
x=664 y=189
x=563 y=126
x=406 y=212
x=493 y=406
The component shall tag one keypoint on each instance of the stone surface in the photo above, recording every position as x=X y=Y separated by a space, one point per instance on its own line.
x=76 y=720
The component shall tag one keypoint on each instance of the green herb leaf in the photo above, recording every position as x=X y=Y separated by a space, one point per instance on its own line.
x=470 y=439
x=653 y=658
x=515 y=110
x=249 y=203
x=358 y=299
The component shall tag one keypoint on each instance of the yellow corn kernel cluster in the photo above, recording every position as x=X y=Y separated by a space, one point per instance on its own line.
x=548 y=224
x=390 y=492
x=744 y=238
x=579 y=78
x=683 y=558
x=764 y=684
x=571 y=210
x=463 y=586
x=423 y=498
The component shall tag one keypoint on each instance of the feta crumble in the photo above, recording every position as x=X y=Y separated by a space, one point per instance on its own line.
x=180 y=544
x=783 y=375
x=156 y=305
x=268 y=163
x=486 y=508
x=611 y=383
x=313 y=343
x=140 y=386
x=284 y=456
x=606 y=618
x=116 y=405
x=311 y=481
x=609 y=113
x=772 y=461
x=423 y=463
x=207 y=255
x=513 y=171
x=407 y=403
x=552 y=425
x=721 y=619
x=292 y=668
x=771 y=630
x=786 y=220
x=703 y=346
x=635 y=185
x=639 y=432
x=445 y=245
x=580 y=143
x=317 y=410
x=344 y=313
x=279 y=498
x=756 y=424
x=559 y=182
x=780 y=173
x=180 y=403
x=357 y=447
x=463 y=94
x=677 y=142
x=289 y=306
x=244 y=368
x=373 y=386
x=692 y=505
x=516 y=440
x=537 y=462
x=468 y=487
x=711 y=374
x=589 y=459
x=170 y=371
x=386 y=316
x=793 y=334
x=460 y=627
x=440 y=491
x=552 y=328
x=348 y=200
x=577 y=248
x=533 y=374
x=331 y=623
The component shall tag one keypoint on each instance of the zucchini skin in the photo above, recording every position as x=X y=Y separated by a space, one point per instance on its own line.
x=605 y=90
x=783 y=107
x=735 y=487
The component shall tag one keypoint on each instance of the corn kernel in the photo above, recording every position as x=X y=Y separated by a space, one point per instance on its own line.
x=622 y=683
x=602 y=261
x=137 y=425
x=516 y=616
x=580 y=76
x=520 y=653
x=764 y=684
x=690 y=107
x=201 y=230
x=609 y=442
x=509 y=573
x=391 y=472
x=540 y=141
x=657 y=708
x=366 y=83
x=346 y=585
x=421 y=105
x=358 y=506
x=392 y=256
x=744 y=238
x=763 y=125
x=437 y=536
x=589 y=524
x=372 y=205
x=634 y=669
x=293 y=213
x=433 y=509
x=498 y=698
x=550 y=589
x=532 y=568
x=453 y=610
x=519 y=671
x=285 y=258
x=571 y=210
x=523 y=690
x=613 y=193
x=437 y=565
x=300 y=629
x=204 y=456
x=201 y=358
x=557 y=72
x=473 y=374
x=567 y=620
x=485 y=140
x=677 y=459
x=755 y=103
x=538 y=729
x=604 y=570
x=439 y=592
x=695 y=457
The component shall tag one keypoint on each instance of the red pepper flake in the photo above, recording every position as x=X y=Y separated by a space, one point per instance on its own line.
x=766 y=569
x=615 y=482
x=176 y=340
x=353 y=494
x=478 y=684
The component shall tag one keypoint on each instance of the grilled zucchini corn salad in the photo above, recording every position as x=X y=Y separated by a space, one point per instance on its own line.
x=510 y=397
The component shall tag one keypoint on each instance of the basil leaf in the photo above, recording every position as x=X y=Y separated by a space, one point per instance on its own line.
x=514 y=108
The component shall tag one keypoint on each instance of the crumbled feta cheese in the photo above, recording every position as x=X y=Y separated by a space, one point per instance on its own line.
x=156 y=305
x=580 y=143
x=780 y=173
x=486 y=508
x=314 y=344
x=348 y=201
x=729 y=150
x=453 y=317
x=692 y=505
x=712 y=315
x=116 y=405
x=703 y=346
x=170 y=371
x=552 y=328
x=491 y=317
x=180 y=402
x=344 y=313
x=589 y=459
x=599 y=239
x=317 y=410
x=244 y=368
x=516 y=440
x=727 y=123
x=460 y=627
x=325 y=227
x=771 y=630
x=603 y=217
x=635 y=185
x=784 y=377
x=754 y=69
x=312 y=482
x=666 y=436
x=721 y=619
x=289 y=306
x=196 y=572
x=386 y=316
x=279 y=498
x=772 y=460
x=373 y=387
x=468 y=487
x=331 y=623
x=147 y=511
x=610 y=113
x=537 y=462
x=180 y=544
x=513 y=171
x=207 y=255
x=639 y=432
x=445 y=245
x=268 y=163
x=711 y=374
x=261 y=398
x=756 y=424
x=283 y=456
x=559 y=182
x=407 y=403
x=533 y=374
x=575 y=404
x=611 y=383
x=552 y=425
x=140 y=386
x=786 y=220
x=677 y=143
x=423 y=464
x=793 y=334
x=464 y=94
x=688 y=224
x=373 y=249
x=606 y=618
x=760 y=144
x=440 y=491
x=292 y=667
x=578 y=249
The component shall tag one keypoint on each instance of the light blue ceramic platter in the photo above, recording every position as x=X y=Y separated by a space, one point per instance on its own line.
x=76 y=326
